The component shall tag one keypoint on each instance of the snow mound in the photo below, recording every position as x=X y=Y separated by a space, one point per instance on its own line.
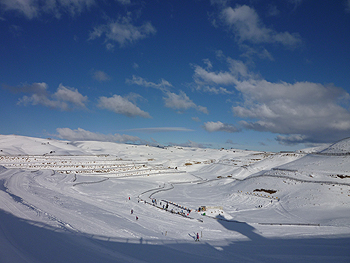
x=23 y=145
x=217 y=212
x=340 y=147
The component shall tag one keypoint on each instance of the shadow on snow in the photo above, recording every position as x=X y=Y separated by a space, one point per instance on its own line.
x=242 y=228
x=26 y=241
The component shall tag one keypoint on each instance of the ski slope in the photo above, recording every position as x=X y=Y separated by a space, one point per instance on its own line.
x=64 y=201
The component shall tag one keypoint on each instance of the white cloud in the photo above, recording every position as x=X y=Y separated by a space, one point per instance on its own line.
x=28 y=8
x=35 y=8
x=122 y=31
x=100 y=75
x=65 y=98
x=181 y=102
x=74 y=6
x=83 y=135
x=208 y=63
x=247 y=26
x=311 y=111
x=219 y=126
x=121 y=105
x=172 y=100
x=260 y=52
x=196 y=119
x=202 y=76
x=70 y=95
x=211 y=81
x=163 y=85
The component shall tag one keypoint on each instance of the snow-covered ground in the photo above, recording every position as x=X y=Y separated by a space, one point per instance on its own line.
x=66 y=201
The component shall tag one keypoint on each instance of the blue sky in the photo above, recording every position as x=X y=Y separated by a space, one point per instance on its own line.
x=259 y=75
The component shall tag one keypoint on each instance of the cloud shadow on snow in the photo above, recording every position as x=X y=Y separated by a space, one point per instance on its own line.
x=27 y=241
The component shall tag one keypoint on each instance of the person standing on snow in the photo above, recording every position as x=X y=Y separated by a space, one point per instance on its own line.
x=197 y=239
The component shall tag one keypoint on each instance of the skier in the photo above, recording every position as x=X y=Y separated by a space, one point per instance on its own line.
x=137 y=218
x=132 y=211
x=197 y=239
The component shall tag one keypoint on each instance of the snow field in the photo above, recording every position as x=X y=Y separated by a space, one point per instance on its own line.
x=264 y=206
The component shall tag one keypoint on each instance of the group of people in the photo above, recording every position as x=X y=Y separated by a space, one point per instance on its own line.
x=165 y=207
x=132 y=212
x=154 y=201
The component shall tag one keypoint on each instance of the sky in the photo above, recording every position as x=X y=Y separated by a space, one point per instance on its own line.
x=256 y=74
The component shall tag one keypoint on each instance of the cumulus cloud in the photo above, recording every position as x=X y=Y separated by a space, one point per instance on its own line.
x=83 y=135
x=65 y=98
x=35 y=8
x=121 y=105
x=247 y=27
x=122 y=31
x=181 y=102
x=70 y=95
x=311 y=110
x=299 y=112
x=172 y=100
x=99 y=75
x=213 y=81
x=211 y=126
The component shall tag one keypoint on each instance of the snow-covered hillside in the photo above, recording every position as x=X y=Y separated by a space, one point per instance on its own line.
x=341 y=147
x=88 y=201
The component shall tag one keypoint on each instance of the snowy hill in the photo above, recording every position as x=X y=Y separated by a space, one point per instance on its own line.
x=341 y=147
x=21 y=145
x=92 y=201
